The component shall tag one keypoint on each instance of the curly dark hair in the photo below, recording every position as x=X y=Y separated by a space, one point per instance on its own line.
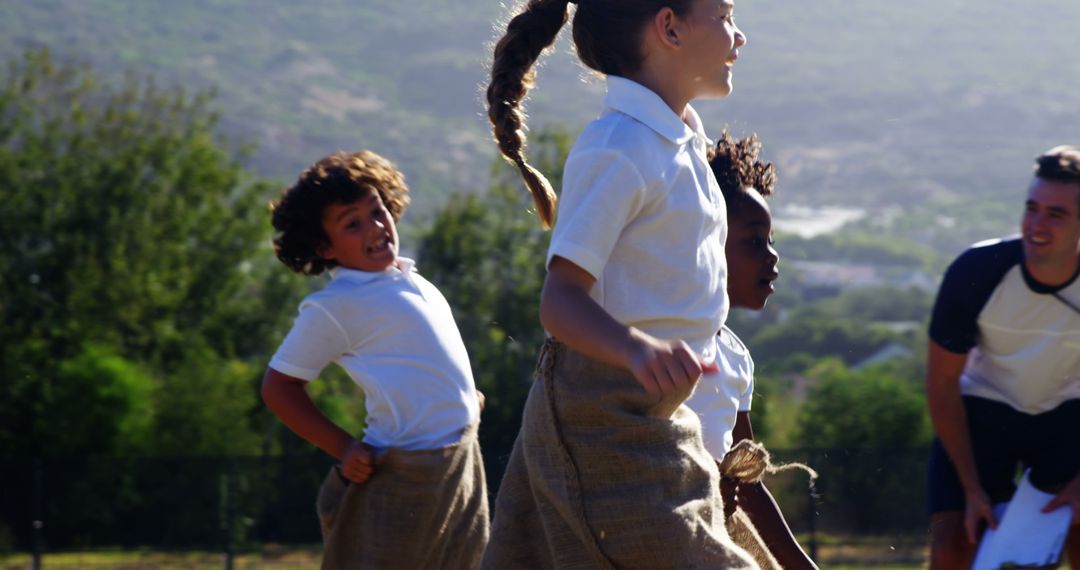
x=736 y=165
x=1059 y=164
x=340 y=178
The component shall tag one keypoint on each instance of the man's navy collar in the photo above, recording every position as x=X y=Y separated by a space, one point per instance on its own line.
x=1042 y=288
x=644 y=105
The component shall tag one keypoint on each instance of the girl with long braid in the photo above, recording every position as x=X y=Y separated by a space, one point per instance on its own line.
x=609 y=469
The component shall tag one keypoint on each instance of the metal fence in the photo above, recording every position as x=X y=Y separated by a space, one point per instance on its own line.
x=867 y=503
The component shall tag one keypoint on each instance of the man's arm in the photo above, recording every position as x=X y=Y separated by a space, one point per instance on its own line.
x=943 y=370
x=759 y=505
x=287 y=398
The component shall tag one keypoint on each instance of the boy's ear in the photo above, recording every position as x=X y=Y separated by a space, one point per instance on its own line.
x=324 y=251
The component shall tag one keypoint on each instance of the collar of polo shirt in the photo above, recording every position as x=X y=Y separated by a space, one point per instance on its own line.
x=643 y=104
x=404 y=267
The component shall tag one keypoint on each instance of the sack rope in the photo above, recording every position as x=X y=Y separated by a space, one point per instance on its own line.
x=749 y=461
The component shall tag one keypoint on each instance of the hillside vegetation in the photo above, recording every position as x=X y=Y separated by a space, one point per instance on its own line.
x=923 y=104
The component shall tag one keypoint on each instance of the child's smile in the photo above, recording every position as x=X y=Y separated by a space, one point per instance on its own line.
x=361 y=234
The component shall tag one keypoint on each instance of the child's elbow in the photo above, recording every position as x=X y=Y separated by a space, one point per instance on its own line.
x=554 y=296
x=273 y=386
x=550 y=310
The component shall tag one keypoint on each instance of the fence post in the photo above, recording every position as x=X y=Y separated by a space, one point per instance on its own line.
x=37 y=512
x=227 y=513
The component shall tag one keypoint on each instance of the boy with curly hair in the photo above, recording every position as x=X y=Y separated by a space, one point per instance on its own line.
x=411 y=493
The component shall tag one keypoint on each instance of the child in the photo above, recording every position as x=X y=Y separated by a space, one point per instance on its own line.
x=412 y=493
x=722 y=399
x=609 y=469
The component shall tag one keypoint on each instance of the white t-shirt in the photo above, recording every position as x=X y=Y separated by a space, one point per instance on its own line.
x=641 y=212
x=394 y=334
x=1022 y=337
x=719 y=396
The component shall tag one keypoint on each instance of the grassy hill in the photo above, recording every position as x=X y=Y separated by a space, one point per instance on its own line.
x=932 y=107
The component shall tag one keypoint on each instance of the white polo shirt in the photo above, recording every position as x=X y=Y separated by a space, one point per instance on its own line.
x=641 y=212
x=395 y=336
x=719 y=396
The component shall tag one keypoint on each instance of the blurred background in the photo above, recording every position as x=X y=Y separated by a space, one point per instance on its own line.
x=141 y=141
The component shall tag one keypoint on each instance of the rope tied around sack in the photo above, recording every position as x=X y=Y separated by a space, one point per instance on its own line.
x=545 y=365
x=749 y=461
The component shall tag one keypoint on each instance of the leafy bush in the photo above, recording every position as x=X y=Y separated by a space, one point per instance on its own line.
x=131 y=241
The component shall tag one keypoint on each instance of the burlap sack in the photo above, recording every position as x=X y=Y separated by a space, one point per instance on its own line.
x=744 y=534
x=600 y=478
x=419 y=509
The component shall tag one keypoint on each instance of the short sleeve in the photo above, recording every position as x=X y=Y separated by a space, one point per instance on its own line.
x=747 y=396
x=968 y=284
x=602 y=191
x=952 y=323
x=316 y=340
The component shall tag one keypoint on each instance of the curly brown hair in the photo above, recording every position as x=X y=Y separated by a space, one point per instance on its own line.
x=607 y=36
x=1059 y=164
x=736 y=165
x=340 y=178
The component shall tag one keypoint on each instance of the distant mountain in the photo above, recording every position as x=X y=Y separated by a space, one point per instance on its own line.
x=928 y=106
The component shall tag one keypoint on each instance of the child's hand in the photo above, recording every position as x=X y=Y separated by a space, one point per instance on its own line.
x=356 y=462
x=664 y=367
x=481 y=398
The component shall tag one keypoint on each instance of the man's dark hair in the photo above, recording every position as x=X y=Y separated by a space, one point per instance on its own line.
x=1060 y=164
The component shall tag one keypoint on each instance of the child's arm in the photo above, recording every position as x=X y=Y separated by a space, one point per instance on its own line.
x=572 y=316
x=759 y=505
x=288 y=399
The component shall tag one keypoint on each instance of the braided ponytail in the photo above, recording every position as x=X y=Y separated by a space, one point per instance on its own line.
x=512 y=75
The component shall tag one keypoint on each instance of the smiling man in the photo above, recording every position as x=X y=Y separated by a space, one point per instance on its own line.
x=1003 y=369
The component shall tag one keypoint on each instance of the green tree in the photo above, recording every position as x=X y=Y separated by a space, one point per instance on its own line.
x=132 y=244
x=870 y=431
x=848 y=339
x=122 y=412
x=871 y=304
x=859 y=246
x=867 y=408
x=486 y=254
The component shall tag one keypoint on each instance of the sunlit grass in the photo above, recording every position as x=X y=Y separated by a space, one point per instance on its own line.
x=847 y=553
x=272 y=557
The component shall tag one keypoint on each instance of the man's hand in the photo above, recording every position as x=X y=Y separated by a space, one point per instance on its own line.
x=356 y=462
x=1069 y=496
x=977 y=509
